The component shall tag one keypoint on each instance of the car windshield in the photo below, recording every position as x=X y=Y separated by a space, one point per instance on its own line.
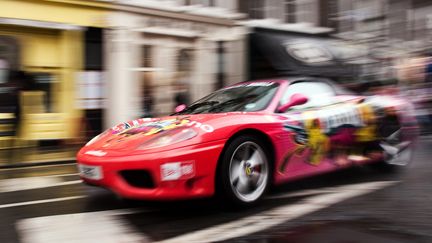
x=242 y=97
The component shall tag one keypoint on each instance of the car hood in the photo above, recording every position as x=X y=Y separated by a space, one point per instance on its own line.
x=129 y=136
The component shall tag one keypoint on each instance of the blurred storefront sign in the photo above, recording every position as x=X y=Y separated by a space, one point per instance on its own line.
x=283 y=53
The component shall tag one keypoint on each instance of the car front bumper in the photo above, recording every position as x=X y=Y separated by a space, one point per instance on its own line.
x=182 y=173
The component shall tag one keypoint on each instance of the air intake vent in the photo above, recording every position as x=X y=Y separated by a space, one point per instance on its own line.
x=138 y=178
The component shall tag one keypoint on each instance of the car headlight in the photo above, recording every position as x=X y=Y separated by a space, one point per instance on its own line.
x=169 y=137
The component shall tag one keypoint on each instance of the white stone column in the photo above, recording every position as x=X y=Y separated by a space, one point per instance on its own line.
x=204 y=68
x=235 y=61
x=119 y=60
x=164 y=55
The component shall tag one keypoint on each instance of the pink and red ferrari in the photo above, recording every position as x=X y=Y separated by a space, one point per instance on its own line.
x=239 y=140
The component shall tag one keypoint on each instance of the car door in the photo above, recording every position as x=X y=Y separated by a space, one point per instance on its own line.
x=321 y=129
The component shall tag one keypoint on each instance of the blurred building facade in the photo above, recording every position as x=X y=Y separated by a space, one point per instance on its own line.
x=394 y=31
x=402 y=24
x=44 y=48
x=81 y=62
x=383 y=22
x=391 y=31
x=116 y=60
x=160 y=54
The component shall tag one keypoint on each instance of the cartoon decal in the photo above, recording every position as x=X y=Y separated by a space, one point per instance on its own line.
x=318 y=141
x=126 y=125
x=367 y=133
x=151 y=128
x=330 y=132
x=148 y=126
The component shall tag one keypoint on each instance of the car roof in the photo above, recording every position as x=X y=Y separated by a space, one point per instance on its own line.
x=289 y=79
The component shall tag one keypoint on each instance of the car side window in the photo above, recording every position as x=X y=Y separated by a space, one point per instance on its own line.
x=318 y=94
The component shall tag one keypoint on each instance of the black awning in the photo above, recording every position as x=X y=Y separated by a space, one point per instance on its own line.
x=276 y=53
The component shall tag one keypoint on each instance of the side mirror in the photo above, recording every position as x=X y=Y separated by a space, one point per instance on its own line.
x=180 y=108
x=295 y=99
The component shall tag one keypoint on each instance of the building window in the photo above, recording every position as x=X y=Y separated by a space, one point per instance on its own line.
x=147 y=97
x=184 y=60
x=253 y=8
x=209 y=3
x=146 y=60
x=9 y=56
x=305 y=11
x=93 y=47
x=242 y=6
x=256 y=9
x=4 y=71
x=290 y=11
x=221 y=67
x=328 y=13
x=184 y=77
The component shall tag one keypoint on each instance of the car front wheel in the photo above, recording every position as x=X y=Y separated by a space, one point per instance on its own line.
x=245 y=170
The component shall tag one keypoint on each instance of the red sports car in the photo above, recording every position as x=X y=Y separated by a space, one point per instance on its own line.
x=239 y=140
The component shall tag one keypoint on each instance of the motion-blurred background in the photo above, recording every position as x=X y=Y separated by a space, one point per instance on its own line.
x=72 y=68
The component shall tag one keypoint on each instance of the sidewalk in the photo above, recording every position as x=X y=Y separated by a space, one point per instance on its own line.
x=22 y=157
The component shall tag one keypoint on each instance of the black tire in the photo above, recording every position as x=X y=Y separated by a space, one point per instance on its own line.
x=237 y=175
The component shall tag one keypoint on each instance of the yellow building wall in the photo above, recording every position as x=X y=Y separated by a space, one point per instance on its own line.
x=59 y=52
x=41 y=50
x=83 y=13
x=72 y=50
x=39 y=47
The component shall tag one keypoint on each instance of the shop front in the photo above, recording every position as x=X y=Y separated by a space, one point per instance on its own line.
x=42 y=51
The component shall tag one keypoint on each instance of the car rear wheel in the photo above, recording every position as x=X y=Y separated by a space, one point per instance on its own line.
x=396 y=151
x=245 y=171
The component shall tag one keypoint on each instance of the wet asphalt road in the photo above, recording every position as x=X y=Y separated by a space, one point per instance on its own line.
x=401 y=212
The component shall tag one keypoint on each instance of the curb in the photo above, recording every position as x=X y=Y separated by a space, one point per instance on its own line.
x=38 y=163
